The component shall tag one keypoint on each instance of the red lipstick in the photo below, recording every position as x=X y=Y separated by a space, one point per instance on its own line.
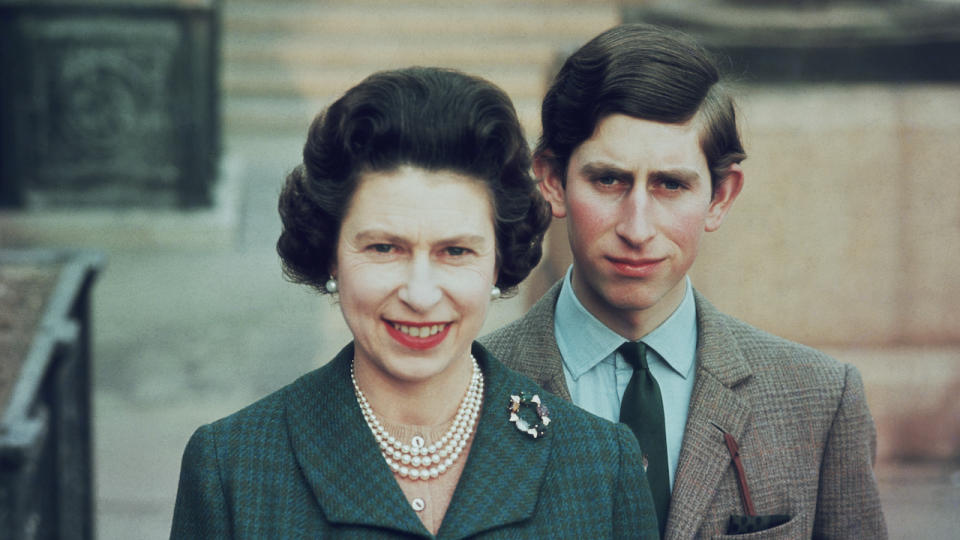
x=418 y=343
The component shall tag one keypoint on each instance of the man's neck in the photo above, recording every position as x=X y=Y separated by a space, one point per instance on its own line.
x=631 y=322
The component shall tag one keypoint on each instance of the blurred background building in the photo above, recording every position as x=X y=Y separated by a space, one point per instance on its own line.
x=846 y=236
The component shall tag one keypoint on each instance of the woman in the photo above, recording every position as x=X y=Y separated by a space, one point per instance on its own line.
x=414 y=206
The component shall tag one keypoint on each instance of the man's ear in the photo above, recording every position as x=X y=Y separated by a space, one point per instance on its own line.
x=551 y=184
x=723 y=197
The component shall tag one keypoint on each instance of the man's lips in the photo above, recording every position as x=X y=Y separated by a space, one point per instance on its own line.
x=418 y=335
x=635 y=267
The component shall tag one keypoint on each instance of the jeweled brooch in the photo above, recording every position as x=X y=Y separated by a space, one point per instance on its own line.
x=522 y=401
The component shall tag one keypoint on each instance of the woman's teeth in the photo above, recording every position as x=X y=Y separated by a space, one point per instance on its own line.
x=418 y=331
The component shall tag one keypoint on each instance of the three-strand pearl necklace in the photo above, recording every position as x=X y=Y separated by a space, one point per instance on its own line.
x=419 y=462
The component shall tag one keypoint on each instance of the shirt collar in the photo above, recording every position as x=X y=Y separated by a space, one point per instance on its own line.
x=675 y=340
x=586 y=341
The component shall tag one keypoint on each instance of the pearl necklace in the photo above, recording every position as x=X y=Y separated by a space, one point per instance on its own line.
x=426 y=463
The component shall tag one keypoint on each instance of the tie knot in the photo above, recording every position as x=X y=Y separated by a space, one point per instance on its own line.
x=635 y=353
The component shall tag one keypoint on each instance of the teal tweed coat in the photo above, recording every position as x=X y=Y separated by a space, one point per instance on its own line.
x=301 y=463
x=807 y=441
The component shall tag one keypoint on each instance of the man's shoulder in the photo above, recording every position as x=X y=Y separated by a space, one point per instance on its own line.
x=533 y=330
x=501 y=341
x=766 y=353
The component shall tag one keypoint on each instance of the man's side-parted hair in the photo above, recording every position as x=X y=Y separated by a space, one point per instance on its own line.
x=430 y=118
x=646 y=72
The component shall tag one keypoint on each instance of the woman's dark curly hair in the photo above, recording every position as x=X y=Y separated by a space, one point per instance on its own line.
x=430 y=118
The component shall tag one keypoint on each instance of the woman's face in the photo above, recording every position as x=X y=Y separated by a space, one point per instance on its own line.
x=416 y=260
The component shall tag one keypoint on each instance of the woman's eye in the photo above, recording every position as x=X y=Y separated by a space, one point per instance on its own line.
x=382 y=248
x=456 y=251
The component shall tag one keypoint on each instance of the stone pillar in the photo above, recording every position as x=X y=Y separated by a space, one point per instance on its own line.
x=108 y=103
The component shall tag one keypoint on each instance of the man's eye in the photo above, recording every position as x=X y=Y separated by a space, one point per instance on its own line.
x=672 y=185
x=607 y=180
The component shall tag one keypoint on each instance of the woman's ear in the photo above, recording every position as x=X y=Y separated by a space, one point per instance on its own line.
x=551 y=184
x=723 y=197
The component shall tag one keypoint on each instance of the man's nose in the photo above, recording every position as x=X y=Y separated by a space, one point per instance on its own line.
x=634 y=220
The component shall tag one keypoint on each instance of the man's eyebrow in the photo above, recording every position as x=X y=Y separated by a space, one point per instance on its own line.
x=685 y=174
x=595 y=168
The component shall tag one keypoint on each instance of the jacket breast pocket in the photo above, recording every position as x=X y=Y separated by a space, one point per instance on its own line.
x=792 y=529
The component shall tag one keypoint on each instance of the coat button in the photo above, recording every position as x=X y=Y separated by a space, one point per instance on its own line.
x=418 y=504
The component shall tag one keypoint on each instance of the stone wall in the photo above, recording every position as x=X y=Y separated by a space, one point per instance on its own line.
x=846 y=237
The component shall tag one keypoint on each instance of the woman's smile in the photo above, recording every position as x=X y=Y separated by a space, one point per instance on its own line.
x=418 y=336
x=415 y=272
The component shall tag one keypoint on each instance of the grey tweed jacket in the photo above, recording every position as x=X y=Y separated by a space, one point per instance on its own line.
x=301 y=463
x=807 y=440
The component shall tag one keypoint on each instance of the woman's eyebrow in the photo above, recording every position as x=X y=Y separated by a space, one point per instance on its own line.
x=383 y=235
x=377 y=235
x=464 y=239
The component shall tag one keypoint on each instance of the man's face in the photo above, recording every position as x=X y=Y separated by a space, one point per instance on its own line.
x=638 y=198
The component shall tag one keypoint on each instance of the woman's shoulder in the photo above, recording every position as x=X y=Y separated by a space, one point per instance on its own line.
x=263 y=415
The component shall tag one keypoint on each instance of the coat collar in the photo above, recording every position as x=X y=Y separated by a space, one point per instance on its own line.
x=537 y=329
x=715 y=405
x=505 y=470
x=337 y=453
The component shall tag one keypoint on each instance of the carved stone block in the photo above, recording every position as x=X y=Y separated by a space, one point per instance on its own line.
x=110 y=105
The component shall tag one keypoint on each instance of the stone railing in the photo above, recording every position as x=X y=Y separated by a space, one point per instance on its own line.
x=46 y=486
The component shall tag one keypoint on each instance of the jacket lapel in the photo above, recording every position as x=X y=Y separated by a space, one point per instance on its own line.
x=505 y=469
x=337 y=453
x=544 y=363
x=714 y=404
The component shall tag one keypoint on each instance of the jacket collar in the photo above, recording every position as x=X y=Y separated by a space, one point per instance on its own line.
x=337 y=453
x=537 y=329
x=714 y=406
x=505 y=470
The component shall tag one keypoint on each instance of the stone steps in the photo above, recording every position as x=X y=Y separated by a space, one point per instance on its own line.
x=284 y=61
x=489 y=18
x=279 y=81
x=293 y=114
x=321 y=51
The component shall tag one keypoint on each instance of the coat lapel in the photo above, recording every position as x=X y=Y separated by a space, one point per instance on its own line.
x=505 y=469
x=337 y=453
x=544 y=363
x=715 y=404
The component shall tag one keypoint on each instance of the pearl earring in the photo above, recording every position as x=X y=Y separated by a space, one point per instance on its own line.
x=495 y=293
x=331 y=285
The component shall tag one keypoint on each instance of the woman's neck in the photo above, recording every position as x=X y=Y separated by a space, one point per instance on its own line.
x=423 y=403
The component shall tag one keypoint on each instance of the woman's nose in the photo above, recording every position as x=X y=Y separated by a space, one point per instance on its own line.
x=421 y=290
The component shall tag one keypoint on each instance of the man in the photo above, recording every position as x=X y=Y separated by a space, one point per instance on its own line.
x=744 y=431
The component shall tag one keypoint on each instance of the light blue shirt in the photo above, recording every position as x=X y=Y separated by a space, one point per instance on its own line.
x=597 y=375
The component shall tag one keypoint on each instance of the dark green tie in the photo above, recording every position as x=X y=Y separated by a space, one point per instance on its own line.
x=642 y=410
